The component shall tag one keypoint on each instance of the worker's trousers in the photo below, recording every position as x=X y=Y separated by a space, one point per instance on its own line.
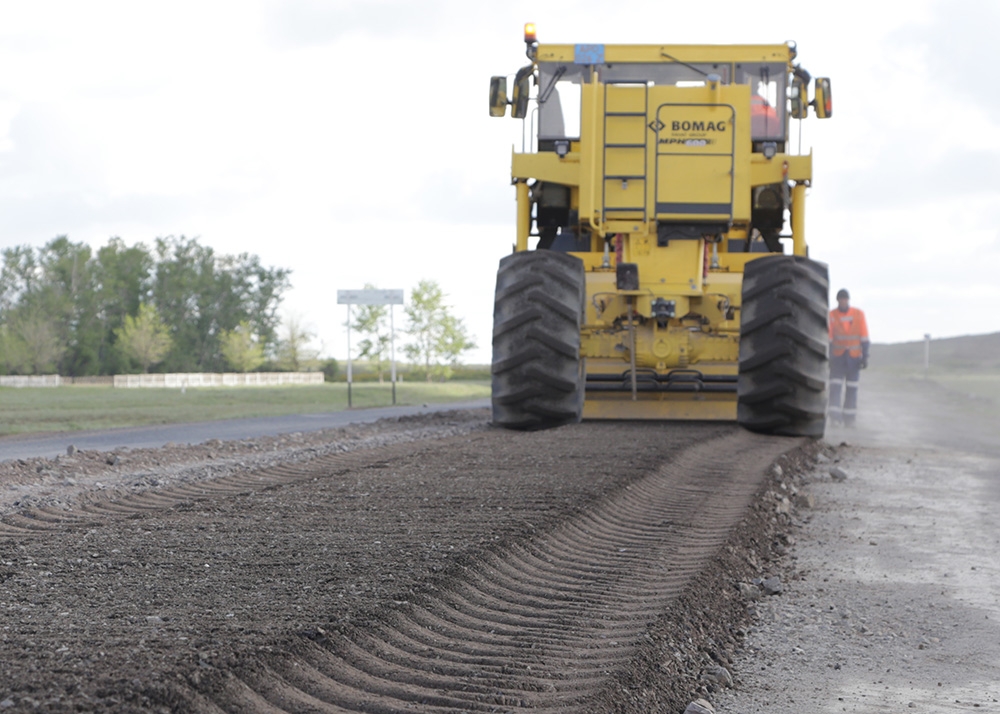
x=845 y=377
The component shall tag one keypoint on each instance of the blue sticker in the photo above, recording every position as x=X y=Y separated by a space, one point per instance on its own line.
x=589 y=54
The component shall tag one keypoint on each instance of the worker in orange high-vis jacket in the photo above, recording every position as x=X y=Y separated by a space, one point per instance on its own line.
x=848 y=356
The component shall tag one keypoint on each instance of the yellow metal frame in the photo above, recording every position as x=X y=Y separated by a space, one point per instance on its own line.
x=660 y=406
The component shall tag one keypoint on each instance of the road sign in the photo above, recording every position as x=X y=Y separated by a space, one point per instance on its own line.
x=369 y=297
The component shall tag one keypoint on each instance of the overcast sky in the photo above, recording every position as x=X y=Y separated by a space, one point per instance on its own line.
x=350 y=142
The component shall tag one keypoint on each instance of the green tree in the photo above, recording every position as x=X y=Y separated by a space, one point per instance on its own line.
x=201 y=295
x=241 y=349
x=122 y=282
x=144 y=338
x=67 y=296
x=372 y=321
x=435 y=333
x=66 y=293
x=453 y=341
x=18 y=276
x=295 y=352
x=31 y=343
x=330 y=369
x=46 y=297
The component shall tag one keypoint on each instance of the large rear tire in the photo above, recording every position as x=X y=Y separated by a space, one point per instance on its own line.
x=783 y=346
x=537 y=379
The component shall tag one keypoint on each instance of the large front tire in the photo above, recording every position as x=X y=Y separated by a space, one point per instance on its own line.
x=783 y=346
x=537 y=310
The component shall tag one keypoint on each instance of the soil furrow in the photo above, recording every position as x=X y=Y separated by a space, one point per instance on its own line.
x=485 y=571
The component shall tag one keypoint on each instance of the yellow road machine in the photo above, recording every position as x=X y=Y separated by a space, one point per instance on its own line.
x=652 y=277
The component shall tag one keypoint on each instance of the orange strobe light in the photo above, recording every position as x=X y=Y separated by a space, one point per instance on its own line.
x=529 y=32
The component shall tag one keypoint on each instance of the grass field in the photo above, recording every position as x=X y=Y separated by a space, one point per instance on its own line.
x=33 y=410
x=975 y=385
x=967 y=365
x=968 y=353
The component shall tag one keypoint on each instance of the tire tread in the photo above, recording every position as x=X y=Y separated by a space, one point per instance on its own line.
x=783 y=338
x=538 y=304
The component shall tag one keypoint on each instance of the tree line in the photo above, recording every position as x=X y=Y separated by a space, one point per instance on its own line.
x=178 y=306
x=69 y=309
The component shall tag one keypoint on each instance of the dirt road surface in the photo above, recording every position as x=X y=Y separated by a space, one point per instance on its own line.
x=428 y=563
x=892 y=598
x=435 y=564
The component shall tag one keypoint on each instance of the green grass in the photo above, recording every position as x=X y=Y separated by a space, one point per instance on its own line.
x=966 y=353
x=978 y=390
x=32 y=410
x=977 y=385
x=969 y=365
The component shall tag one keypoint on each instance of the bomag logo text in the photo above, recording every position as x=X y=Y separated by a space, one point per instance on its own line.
x=698 y=126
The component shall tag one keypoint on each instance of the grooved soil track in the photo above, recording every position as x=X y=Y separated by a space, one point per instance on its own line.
x=485 y=572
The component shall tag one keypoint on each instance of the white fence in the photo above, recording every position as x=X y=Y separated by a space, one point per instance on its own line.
x=41 y=380
x=215 y=379
x=172 y=381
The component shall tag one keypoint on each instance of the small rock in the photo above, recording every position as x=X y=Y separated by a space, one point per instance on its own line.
x=784 y=506
x=699 y=706
x=749 y=591
x=822 y=458
x=772 y=586
x=112 y=460
x=154 y=619
x=70 y=450
x=777 y=471
x=838 y=474
x=7 y=703
x=805 y=500
x=719 y=675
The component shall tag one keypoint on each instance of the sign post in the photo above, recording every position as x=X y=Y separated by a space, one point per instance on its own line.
x=371 y=297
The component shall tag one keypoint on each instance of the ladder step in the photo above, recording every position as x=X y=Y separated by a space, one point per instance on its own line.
x=625 y=146
x=625 y=114
x=625 y=177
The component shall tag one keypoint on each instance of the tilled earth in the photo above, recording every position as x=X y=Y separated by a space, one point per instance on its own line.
x=428 y=563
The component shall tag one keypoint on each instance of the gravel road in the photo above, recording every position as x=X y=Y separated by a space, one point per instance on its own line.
x=892 y=600
x=433 y=563
x=427 y=563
